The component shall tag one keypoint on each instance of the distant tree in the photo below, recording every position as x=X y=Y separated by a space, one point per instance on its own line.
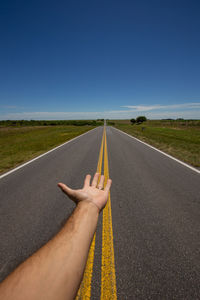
x=141 y=119
x=133 y=121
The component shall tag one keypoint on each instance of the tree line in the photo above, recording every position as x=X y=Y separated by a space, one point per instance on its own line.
x=50 y=122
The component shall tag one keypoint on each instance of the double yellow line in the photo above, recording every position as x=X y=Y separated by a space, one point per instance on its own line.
x=108 y=278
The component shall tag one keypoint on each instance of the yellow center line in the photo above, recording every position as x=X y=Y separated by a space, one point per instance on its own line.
x=84 y=291
x=108 y=278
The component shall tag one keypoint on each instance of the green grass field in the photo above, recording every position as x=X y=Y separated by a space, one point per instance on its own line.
x=20 y=144
x=180 y=139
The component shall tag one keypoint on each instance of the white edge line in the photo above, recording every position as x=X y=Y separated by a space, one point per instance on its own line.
x=177 y=160
x=30 y=161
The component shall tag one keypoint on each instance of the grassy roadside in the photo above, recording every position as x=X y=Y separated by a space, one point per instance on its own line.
x=180 y=141
x=20 y=144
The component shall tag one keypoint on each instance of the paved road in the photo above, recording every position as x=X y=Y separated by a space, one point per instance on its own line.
x=155 y=215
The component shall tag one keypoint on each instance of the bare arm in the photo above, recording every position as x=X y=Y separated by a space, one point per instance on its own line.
x=55 y=271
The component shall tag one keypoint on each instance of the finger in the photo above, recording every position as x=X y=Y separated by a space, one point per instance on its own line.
x=100 y=185
x=108 y=185
x=95 y=180
x=87 y=180
x=69 y=192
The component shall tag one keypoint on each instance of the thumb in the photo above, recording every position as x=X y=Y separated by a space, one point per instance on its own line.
x=69 y=192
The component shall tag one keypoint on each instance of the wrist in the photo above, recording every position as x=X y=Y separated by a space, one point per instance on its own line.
x=90 y=205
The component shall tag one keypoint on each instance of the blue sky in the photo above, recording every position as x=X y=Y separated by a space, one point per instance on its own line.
x=94 y=59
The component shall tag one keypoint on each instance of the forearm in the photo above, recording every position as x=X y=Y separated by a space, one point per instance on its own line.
x=55 y=271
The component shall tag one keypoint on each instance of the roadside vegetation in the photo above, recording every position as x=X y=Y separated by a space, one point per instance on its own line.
x=19 y=123
x=22 y=142
x=179 y=138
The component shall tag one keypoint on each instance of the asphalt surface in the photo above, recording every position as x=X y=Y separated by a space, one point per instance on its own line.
x=155 y=212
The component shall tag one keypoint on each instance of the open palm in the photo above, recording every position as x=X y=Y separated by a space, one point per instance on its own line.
x=93 y=193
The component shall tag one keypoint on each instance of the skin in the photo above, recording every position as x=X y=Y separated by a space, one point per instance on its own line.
x=55 y=271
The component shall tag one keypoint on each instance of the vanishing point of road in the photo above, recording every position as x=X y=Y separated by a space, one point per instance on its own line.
x=147 y=243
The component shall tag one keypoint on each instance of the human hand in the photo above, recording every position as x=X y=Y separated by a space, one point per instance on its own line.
x=93 y=193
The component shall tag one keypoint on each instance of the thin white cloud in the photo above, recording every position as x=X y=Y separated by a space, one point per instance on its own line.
x=185 y=110
x=161 y=107
x=44 y=115
x=189 y=114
